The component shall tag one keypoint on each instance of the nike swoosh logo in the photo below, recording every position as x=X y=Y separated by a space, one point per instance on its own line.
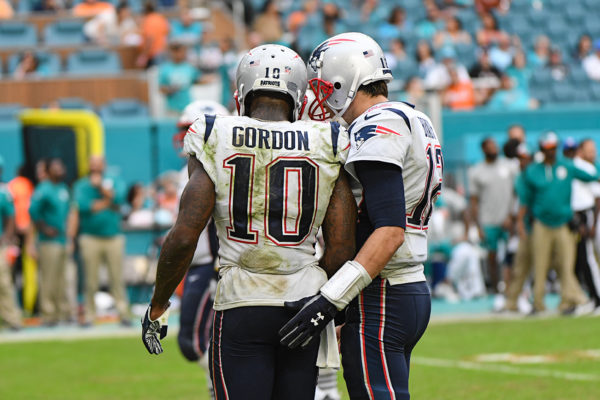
x=368 y=117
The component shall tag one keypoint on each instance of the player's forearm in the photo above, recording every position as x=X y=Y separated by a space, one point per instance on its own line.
x=339 y=227
x=173 y=263
x=379 y=249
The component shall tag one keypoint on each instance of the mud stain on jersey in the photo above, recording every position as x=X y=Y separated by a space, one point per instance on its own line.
x=263 y=260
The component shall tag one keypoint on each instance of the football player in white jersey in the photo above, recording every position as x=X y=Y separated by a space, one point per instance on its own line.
x=396 y=159
x=195 y=318
x=269 y=182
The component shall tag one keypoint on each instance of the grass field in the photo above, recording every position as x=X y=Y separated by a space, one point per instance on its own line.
x=551 y=359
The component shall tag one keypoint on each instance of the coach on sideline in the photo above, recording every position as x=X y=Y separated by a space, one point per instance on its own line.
x=547 y=190
x=97 y=199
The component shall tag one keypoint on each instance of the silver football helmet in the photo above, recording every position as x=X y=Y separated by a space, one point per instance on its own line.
x=338 y=67
x=272 y=67
x=191 y=113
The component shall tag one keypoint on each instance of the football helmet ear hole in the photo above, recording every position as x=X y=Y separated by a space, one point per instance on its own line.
x=317 y=110
x=337 y=85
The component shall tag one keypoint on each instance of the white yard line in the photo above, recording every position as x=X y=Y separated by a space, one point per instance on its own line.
x=506 y=369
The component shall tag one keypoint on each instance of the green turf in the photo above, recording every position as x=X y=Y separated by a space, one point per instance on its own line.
x=121 y=368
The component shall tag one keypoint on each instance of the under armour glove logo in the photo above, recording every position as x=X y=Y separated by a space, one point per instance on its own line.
x=316 y=320
x=315 y=312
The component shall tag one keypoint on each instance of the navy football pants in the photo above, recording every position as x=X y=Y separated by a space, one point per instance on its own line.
x=248 y=363
x=196 y=312
x=383 y=325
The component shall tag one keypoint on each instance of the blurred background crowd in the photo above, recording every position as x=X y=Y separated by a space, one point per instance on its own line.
x=495 y=75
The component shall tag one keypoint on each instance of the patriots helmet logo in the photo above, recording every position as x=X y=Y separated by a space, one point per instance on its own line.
x=315 y=57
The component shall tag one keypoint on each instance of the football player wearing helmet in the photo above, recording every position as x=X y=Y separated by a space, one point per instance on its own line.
x=396 y=160
x=269 y=181
x=195 y=321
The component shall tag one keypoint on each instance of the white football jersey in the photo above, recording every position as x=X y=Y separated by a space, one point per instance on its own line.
x=273 y=181
x=396 y=133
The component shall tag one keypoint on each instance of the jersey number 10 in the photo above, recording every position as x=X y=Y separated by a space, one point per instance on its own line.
x=276 y=203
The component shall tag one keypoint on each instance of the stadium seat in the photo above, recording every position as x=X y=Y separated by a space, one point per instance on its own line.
x=96 y=61
x=541 y=93
x=519 y=24
x=591 y=25
x=74 y=103
x=582 y=95
x=520 y=6
x=541 y=77
x=124 y=108
x=557 y=5
x=591 y=5
x=563 y=92
x=578 y=77
x=9 y=111
x=17 y=34
x=64 y=33
x=49 y=63
x=538 y=19
x=557 y=29
x=575 y=13
x=595 y=90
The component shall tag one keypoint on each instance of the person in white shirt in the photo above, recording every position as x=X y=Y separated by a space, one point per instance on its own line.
x=585 y=198
x=591 y=64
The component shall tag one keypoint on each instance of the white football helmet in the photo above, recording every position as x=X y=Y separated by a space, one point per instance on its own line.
x=191 y=113
x=338 y=67
x=272 y=67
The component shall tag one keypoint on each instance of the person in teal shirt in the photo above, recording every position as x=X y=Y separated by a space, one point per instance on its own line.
x=98 y=198
x=509 y=97
x=176 y=78
x=546 y=192
x=49 y=211
x=185 y=29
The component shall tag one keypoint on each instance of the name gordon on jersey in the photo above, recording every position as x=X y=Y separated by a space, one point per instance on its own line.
x=265 y=139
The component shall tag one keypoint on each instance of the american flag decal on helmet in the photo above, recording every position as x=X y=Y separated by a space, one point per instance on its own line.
x=287 y=70
x=368 y=53
x=254 y=63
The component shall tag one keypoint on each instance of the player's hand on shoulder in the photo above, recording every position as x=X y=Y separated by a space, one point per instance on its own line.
x=154 y=330
x=313 y=315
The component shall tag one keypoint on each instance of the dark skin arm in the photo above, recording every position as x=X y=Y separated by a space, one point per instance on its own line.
x=195 y=209
x=339 y=227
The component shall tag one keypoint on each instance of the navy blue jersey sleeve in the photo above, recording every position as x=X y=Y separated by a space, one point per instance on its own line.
x=383 y=193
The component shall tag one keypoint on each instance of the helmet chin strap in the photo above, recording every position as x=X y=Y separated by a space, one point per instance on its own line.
x=351 y=95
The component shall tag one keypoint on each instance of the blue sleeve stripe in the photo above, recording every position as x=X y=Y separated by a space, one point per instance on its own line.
x=400 y=113
x=210 y=122
x=335 y=133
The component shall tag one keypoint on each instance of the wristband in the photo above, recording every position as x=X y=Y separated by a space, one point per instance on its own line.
x=346 y=284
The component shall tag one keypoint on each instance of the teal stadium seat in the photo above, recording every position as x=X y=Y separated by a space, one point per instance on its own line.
x=557 y=5
x=9 y=111
x=75 y=103
x=64 y=33
x=591 y=24
x=557 y=29
x=49 y=63
x=578 y=77
x=520 y=6
x=17 y=34
x=94 y=61
x=541 y=77
x=595 y=91
x=575 y=13
x=563 y=92
x=124 y=108
x=538 y=19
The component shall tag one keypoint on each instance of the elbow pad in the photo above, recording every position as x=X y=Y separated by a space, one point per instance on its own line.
x=346 y=284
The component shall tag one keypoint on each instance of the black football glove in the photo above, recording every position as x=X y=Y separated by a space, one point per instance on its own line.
x=314 y=315
x=154 y=331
